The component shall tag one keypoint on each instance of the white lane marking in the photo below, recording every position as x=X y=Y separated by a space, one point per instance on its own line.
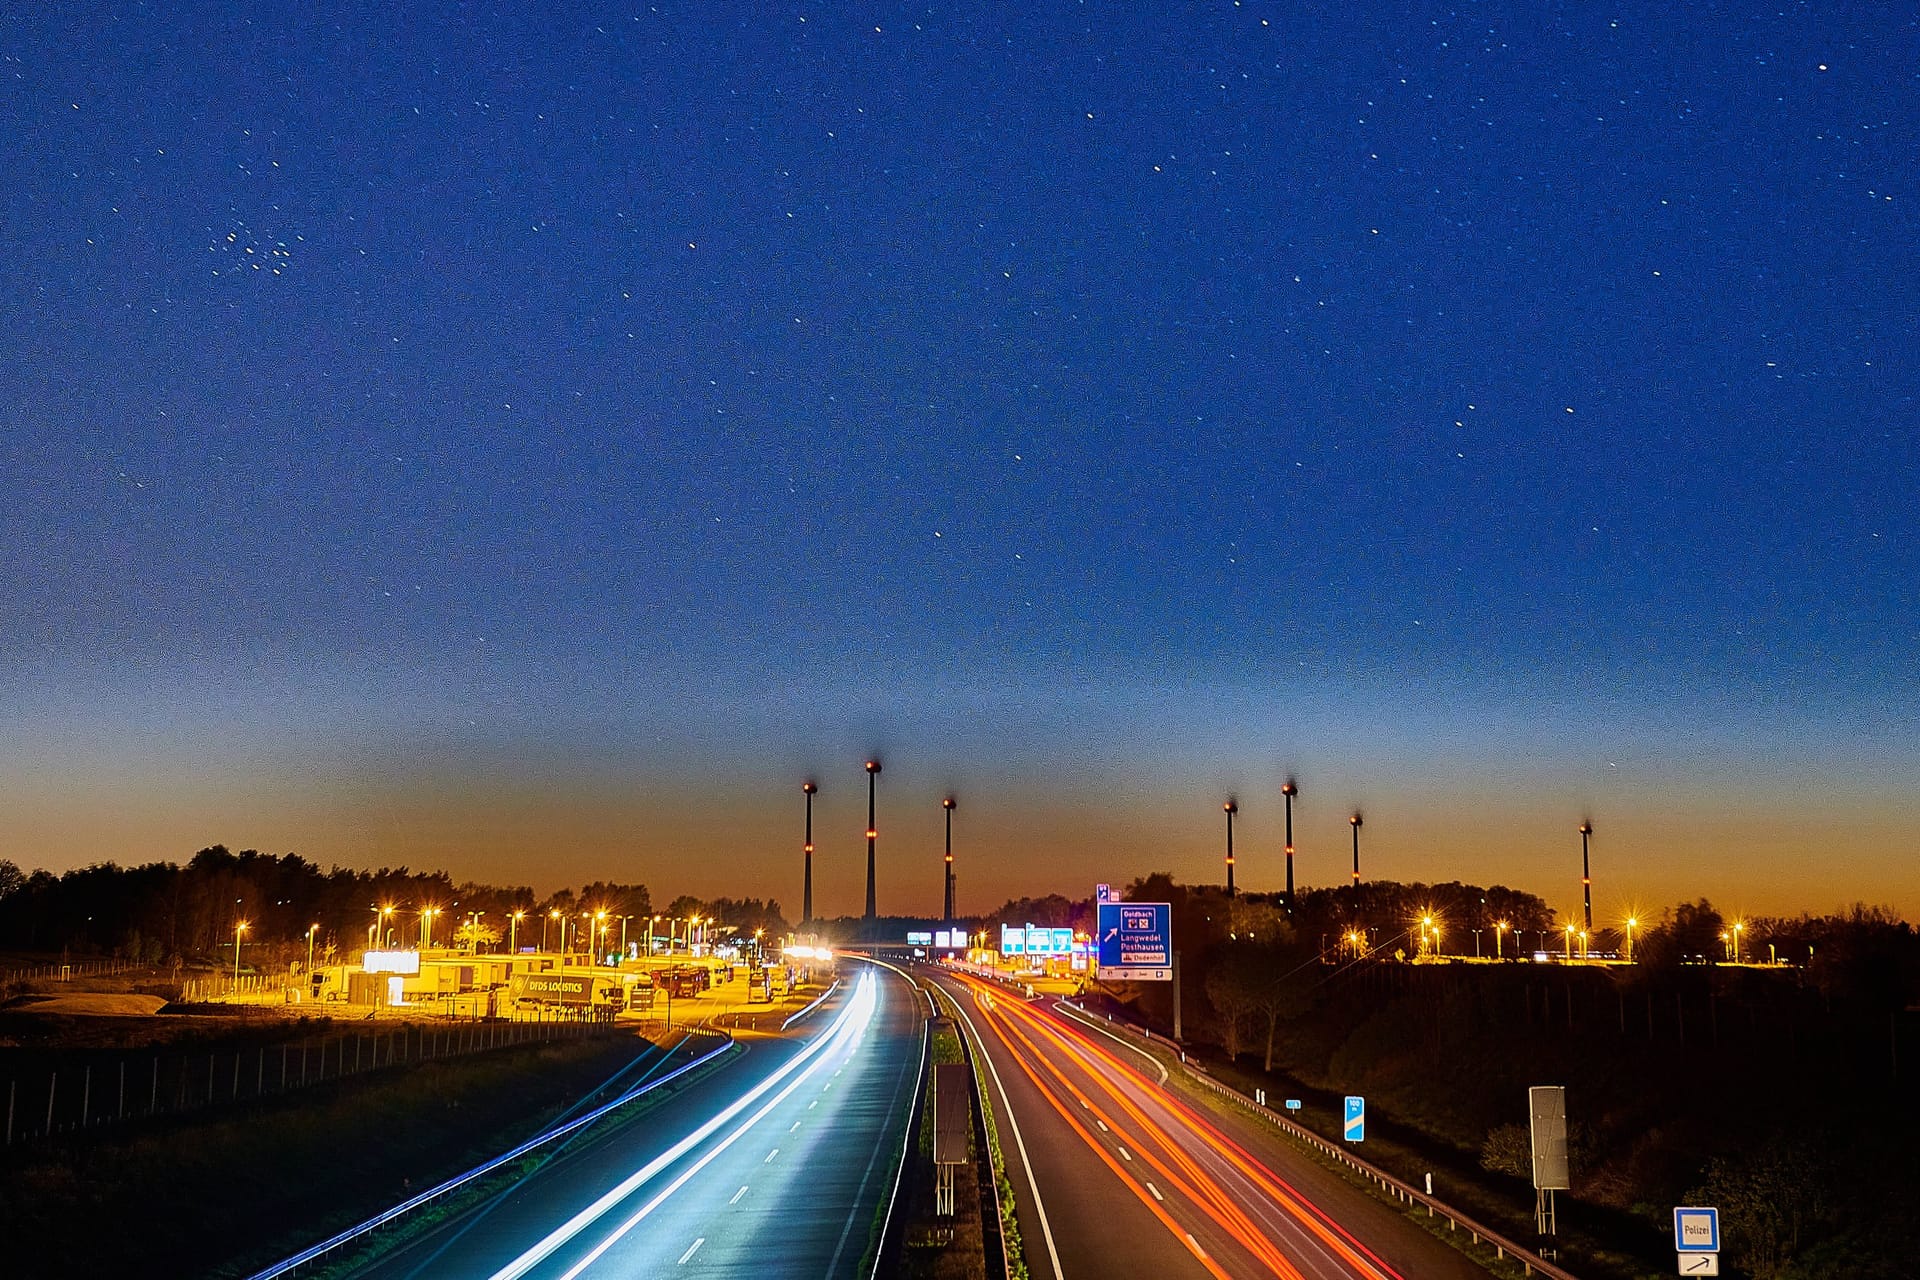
x=695 y=1248
x=1033 y=1183
x=736 y=1195
x=770 y=1155
x=1156 y=1192
x=796 y=1125
x=813 y=1104
x=1103 y=1126
x=828 y=1085
x=1125 y=1154
x=1198 y=1252
x=1085 y=1103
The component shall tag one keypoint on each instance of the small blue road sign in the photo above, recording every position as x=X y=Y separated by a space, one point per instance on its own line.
x=1293 y=1104
x=1696 y=1230
x=1356 y=1127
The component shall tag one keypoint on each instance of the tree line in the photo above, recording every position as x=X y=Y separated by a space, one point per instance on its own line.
x=188 y=914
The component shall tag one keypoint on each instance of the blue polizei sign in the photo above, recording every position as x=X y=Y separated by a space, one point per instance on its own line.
x=1355 y=1129
x=1134 y=941
x=1696 y=1230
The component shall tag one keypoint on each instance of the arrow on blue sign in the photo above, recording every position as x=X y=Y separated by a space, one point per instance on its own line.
x=1356 y=1126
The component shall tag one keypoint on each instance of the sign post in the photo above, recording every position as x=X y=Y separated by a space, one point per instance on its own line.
x=1355 y=1127
x=1547 y=1116
x=1696 y=1238
x=1134 y=941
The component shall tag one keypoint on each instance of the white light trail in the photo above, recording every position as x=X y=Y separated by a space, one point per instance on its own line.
x=852 y=1020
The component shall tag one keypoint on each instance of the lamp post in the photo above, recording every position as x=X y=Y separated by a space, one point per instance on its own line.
x=239 y=928
x=545 y=920
x=651 y=922
x=1288 y=790
x=1738 y=927
x=623 y=936
x=873 y=772
x=1499 y=931
x=1631 y=922
x=1586 y=874
x=311 y=930
x=1569 y=944
x=473 y=931
x=948 y=805
x=1356 y=820
x=812 y=789
x=513 y=932
x=1230 y=808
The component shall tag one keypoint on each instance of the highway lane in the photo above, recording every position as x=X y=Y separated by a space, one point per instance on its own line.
x=1124 y=1169
x=780 y=1160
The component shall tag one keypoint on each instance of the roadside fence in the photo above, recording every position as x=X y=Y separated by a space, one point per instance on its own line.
x=84 y=1091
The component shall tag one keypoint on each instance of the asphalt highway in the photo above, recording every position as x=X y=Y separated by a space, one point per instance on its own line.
x=777 y=1164
x=1112 y=1170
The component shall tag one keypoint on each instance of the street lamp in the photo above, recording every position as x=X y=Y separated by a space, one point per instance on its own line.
x=1631 y=922
x=1569 y=944
x=873 y=772
x=473 y=931
x=513 y=932
x=544 y=920
x=1738 y=926
x=1584 y=953
x=1356 y=821
x=948 y=804
x=651 y=922
x=1230 y=808
x=1288 y=790
x=812 y=789
x=1586 y=873
x=426 y=926
x=239 y=928
x=1499 y=931
x=311 y=930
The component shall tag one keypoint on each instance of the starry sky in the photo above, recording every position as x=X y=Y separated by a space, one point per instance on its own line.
x=531 y=441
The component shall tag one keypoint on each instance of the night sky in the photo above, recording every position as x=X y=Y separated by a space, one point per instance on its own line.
x=530 y=441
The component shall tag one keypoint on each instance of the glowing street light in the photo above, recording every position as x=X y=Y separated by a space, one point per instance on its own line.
x=426 y=926
x=1631 y=922
x=311 y=930
x=1738 y=927
x=544 y=921
x=1500 y=928
x=513 y=932
x=1569 y=944
x=1356 y=820
x=239 y=928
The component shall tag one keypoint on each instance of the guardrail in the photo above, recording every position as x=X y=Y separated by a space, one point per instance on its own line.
x=1530 y=1262
x=405 y=1207
x=817 y=1002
